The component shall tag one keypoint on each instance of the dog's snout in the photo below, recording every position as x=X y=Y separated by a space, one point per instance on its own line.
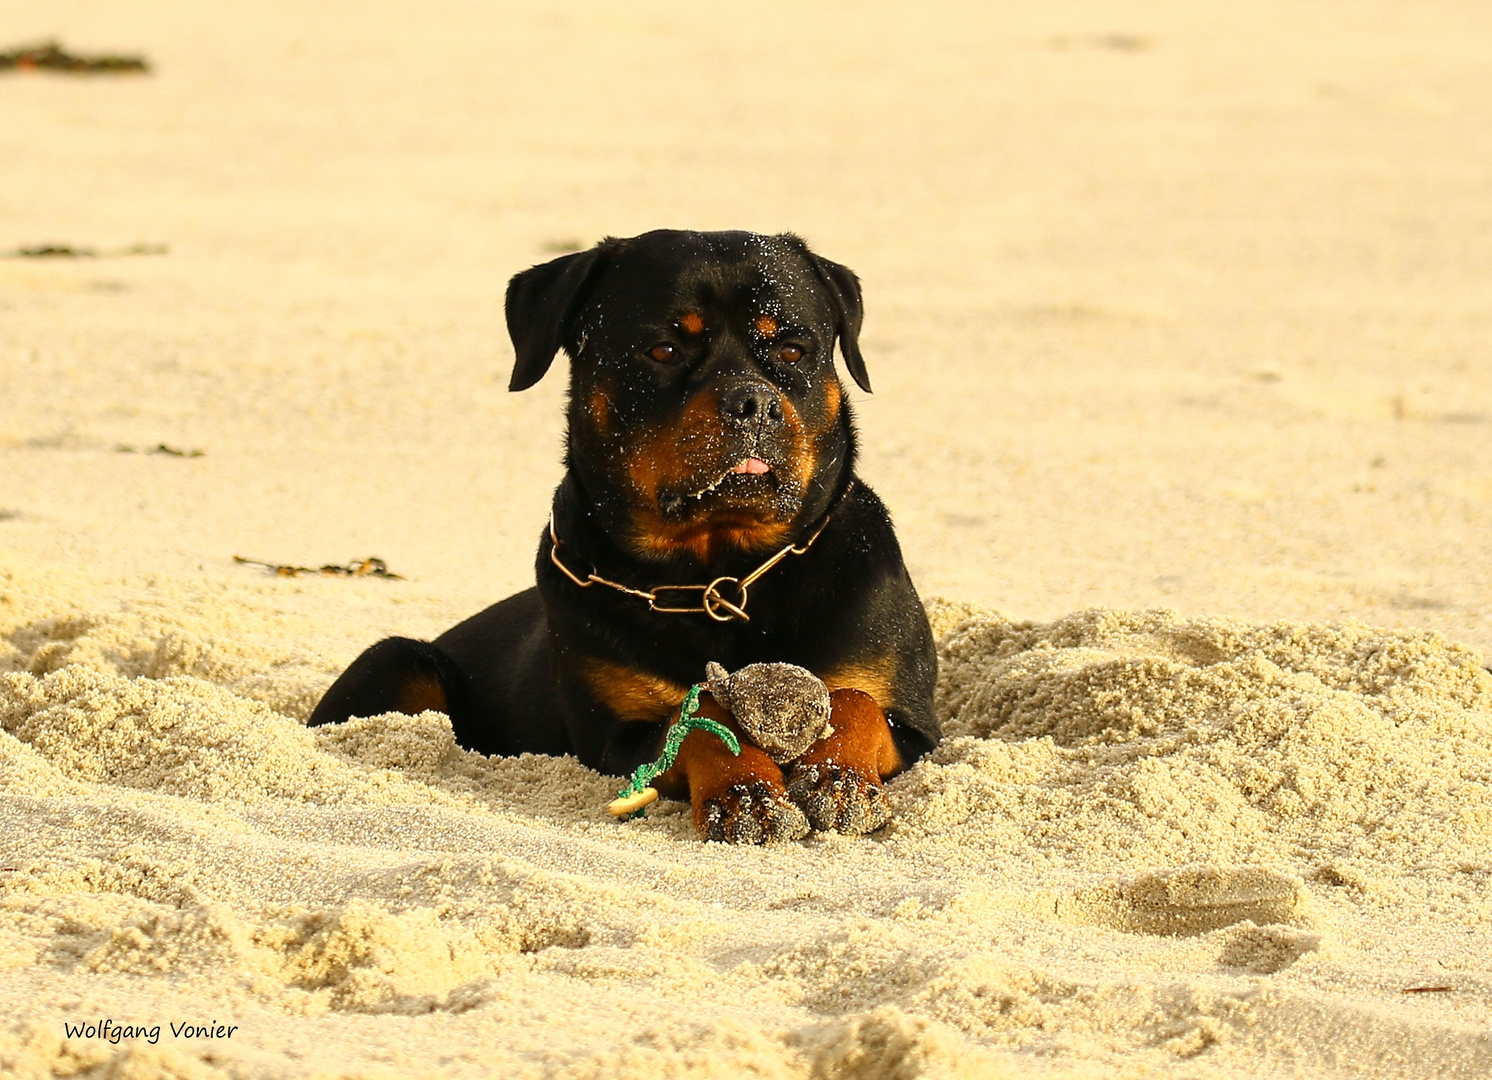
x=752 y=403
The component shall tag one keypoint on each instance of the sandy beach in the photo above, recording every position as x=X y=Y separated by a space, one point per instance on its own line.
x=1178 y=319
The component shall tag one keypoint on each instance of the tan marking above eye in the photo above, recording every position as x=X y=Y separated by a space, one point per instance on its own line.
x=765 y=325
x=663 y=352
x=691 y=322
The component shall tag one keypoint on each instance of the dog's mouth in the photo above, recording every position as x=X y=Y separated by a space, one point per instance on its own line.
x=748 y=466
x=749 y=480
x=752 y=466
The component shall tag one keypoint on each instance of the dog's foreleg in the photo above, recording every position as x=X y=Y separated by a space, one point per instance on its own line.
x=837 y=780
x=736 y=798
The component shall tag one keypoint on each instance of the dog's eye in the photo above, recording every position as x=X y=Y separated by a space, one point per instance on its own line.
x=663 y=352
x=790 y=354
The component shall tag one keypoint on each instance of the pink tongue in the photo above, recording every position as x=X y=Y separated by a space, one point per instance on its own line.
x=752 y=466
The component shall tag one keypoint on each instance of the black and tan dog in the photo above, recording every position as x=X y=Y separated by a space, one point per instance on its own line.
x=710 y=512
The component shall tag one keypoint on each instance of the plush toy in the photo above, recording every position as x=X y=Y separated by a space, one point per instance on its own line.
x=782 y=707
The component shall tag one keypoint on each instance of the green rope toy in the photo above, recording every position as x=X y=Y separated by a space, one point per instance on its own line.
x=634 y=799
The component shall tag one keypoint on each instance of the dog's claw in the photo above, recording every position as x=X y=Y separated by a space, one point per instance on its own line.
x=836 y=798
x=753 y=814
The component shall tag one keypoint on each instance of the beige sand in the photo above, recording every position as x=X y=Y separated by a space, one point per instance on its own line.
x=1172 y=306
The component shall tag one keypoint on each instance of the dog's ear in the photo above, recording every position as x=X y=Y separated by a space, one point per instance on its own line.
x=541 y=302
x=844 y=291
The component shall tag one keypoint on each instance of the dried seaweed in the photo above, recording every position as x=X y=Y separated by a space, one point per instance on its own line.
x=50 y=56
x=159 y=448
x=67 y=251
x=355 y=568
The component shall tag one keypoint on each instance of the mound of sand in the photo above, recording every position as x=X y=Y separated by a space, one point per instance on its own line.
x=1167 y=304
x=1183 y=847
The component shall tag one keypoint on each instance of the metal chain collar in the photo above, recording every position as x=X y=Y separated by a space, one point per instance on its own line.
x=711 y=602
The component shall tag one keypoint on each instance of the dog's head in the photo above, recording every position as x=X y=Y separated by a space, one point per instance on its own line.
x=705 y=415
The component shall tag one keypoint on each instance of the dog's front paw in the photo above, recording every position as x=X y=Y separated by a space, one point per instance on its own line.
x=838 y=798
x=751 y=813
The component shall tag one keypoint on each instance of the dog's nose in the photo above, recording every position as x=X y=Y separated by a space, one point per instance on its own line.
x=756 y=404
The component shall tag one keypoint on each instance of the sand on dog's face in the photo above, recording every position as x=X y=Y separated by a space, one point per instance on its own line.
x=1148 y=841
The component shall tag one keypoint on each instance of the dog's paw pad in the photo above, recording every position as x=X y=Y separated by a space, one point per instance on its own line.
x=839 y=799
x=753 y=814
